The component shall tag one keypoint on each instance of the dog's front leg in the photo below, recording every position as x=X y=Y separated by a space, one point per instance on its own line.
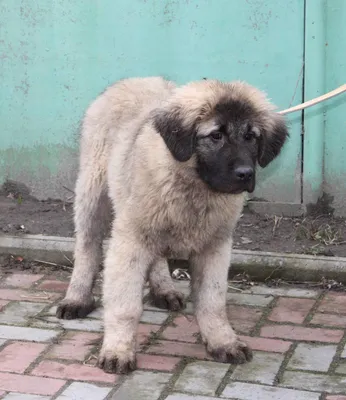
x=126 y=267
x=209 y=289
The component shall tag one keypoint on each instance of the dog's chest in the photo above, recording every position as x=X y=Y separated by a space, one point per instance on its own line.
x=187 y=225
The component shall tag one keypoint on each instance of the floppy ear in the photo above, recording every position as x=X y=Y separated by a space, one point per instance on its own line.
x=179 y=135
x=272 y=140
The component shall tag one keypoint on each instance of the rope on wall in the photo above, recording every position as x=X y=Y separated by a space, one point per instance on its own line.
x=315 y=101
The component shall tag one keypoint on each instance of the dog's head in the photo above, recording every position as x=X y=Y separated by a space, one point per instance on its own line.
x=230 y=127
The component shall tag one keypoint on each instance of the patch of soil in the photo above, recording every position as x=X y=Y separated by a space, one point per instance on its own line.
x=27 y=215
x=316 y=235
x=320 y=235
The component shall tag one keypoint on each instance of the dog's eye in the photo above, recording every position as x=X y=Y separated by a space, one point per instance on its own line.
x=216 y=135
x=249 y=136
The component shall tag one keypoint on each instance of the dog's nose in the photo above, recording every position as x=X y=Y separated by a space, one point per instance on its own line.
x=244 y=174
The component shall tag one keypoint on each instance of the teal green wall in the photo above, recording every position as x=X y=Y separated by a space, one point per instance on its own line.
x=335 y=110
x=325 y=124
x=314 y=86
x=56 y=56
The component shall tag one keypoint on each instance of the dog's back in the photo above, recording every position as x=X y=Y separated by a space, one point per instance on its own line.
x=120 y=104
x=111 y=123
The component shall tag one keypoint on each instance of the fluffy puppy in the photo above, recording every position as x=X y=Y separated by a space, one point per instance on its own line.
x=174 y=164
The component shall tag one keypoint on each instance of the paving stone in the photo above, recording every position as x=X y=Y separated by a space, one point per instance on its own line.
x=84 y=391
x=21 y=280
x=182 y=396
x=153 y=317
x=149 y=307
x=263 y=368
x=189 y=309
x=159 y=363
x=97 y=313
x=3 y=303
x=52 y=311
x=144 y=331
x=248 y=299
x=82 y=337
x=333 y=303
x=17 y=356
x=314 y=382
x=302 y=333
x=24 y=333
x=291 y=310
x=74 y=346
x=53 y=285
x=77 y=372
x=40 y=323
x=179 y=349
x=20 y=312
x=329 y=320
x=90 y=325
x=22 y=396
x=201 y=377
x=343 y=354
x=198 y=381
x=243 y=319
x=341 y=369
x=283 y=291
x=142 y=385
x=25 y=295
x=29 y=384
x=184 y=330
x=145 y=291
x=248 y=391
x=312 y=357
x=264 y=344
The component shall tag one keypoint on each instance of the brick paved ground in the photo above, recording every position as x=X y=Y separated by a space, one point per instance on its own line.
x=298 y=336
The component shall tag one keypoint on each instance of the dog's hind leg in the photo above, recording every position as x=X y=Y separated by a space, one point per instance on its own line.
x=163 y=293
x=92 y=216
x=92 y=211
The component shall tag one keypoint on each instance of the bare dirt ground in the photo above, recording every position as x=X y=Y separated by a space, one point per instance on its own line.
x=318 y=234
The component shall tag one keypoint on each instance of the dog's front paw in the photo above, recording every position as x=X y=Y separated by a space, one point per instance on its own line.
x=235 y=352
x=114 y=362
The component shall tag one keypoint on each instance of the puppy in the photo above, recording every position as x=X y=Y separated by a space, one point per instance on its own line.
x=173 y=163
